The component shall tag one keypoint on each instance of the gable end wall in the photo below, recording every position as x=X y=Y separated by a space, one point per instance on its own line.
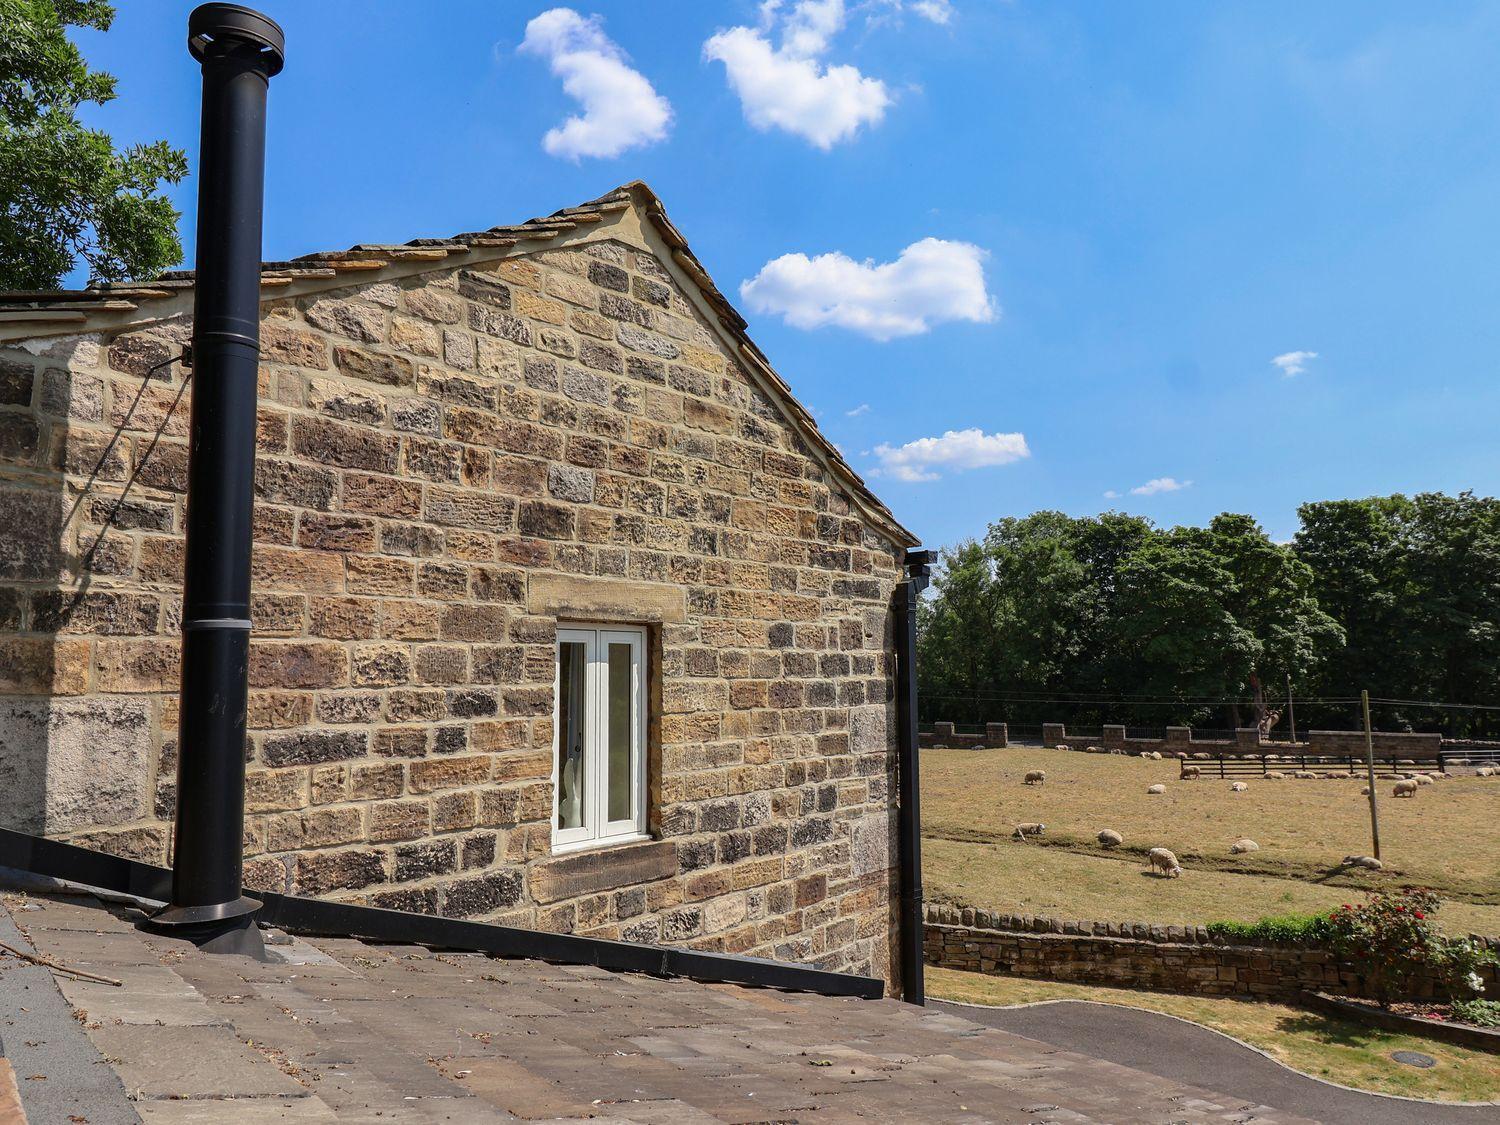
x=449 y=462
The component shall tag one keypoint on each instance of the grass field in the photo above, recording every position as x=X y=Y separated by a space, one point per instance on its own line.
x=1337 y=1050
x=1447 y=838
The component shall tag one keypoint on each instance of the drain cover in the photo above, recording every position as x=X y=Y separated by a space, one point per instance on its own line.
x=1414 y=1058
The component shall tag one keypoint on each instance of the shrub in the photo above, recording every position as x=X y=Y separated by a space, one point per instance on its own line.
x=1280 y=929
x=1394 y=937
x=1481 y=1013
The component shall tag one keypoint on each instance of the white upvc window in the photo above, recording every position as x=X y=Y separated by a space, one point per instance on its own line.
x=599 y=737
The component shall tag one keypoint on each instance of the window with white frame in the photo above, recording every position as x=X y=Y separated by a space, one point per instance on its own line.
x=599 y=736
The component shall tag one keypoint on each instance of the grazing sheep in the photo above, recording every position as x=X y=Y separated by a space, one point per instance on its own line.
x=1035 y=777
x=1238 y=787
x=1191 y=773
x=1155 y=755
x=1109 y=838
x=1024 y=830
x=1368 y=862
x=1243 y=845
x=1422 y=779
x=1404 y=788
x=1156 y=790
x=1165 y=862
x=1063 y=746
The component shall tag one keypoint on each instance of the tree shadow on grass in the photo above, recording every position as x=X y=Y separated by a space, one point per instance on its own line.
x=1324 y=1029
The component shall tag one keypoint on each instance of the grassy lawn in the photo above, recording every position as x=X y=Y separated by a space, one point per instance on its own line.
x=1446 y=838
x=1027 y=879
x=1337 y=1050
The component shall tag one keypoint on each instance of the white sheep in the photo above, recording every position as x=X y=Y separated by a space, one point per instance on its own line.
x=1485 y=771
x=1191 y=773
x=1422 y=779
x=1368 y=862
x=1364 y=790
x=1238 y=787
x=1036 y=777
x=1156 y=790
x=1275 y=775
x=1063 y=746
x=1165 y=862
x=1024 y=830
x=1109 y=838
x=1243 y=845
x=1404 y=788
x=1155 y=755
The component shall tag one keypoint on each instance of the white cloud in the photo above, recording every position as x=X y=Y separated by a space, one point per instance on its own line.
x=788 y=87
x=938 y=11
x=621 y=109
x=1111 y=494
x=957 y=450
x=932 y=281
x=1160 y=484
x=1293 y=363
x=862 y=408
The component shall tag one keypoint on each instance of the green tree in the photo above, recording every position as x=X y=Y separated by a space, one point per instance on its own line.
x=1273 y=601
x=957 y=635
x=65 y=192
x=1451 y=561
x=1175 y=623
x=1354 y=549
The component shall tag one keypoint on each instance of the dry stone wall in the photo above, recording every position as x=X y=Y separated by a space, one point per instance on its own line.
x=1138 y=955
x=449 y=463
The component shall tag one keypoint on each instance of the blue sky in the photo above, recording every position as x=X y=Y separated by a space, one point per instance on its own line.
x=1133 y=210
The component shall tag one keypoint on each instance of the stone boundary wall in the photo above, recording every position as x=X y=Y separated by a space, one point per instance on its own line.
x=1180 y=740
x=1137 y=955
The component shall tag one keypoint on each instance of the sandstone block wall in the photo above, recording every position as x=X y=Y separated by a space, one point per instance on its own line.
x=450 y=462
x=1137 y=955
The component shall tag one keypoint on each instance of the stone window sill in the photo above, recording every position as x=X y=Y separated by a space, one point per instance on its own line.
x=602 y=869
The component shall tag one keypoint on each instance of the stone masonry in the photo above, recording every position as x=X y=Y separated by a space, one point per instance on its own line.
x=452 y=459
x=1138 y=955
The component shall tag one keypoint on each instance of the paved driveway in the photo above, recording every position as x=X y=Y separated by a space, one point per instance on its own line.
x=1184 y=1052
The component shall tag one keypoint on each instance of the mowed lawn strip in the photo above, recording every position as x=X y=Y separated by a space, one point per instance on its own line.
x=1447 y=837
x=1054 y=882
x=1337 y=1050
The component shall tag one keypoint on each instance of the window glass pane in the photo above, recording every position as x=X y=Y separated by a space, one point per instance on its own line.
x=571 y=723
x=621 y=727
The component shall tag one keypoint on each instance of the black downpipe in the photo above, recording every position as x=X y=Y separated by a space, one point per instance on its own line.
x=908 y=591
x=239 y=50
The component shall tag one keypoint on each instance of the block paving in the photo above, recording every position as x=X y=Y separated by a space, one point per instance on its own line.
x=343 y=1030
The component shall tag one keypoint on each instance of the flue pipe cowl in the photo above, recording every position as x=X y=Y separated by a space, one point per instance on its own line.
x=227 y=26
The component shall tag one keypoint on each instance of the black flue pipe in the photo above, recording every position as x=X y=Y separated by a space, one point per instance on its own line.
x=239 y=50
x=908 y=778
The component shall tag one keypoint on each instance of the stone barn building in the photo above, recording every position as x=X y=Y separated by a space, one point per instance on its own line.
x=566 y=615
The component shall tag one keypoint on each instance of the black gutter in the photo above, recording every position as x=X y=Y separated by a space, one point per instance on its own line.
x=315 y=917
x=239 y=50
x=908 y=592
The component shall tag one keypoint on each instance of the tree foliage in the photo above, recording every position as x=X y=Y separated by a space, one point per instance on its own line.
x=1203 y=625
x=66 y=192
